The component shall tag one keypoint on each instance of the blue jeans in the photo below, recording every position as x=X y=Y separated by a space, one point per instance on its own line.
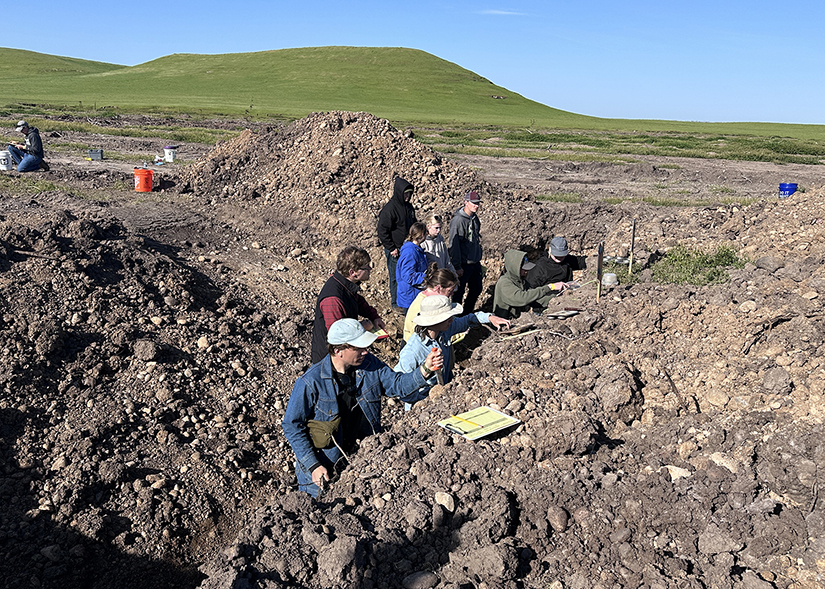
x=25 y=161
x=329 y=459
x=392 y=262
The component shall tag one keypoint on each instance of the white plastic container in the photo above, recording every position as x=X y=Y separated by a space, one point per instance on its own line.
x=6 y=163
x=169 y=153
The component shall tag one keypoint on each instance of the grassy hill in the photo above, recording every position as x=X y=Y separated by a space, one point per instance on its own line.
x=394 y=83
x=19 y=66
x=406 y=86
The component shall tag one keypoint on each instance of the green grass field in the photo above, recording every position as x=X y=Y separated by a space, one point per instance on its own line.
x=451 y=108
x=394 y=83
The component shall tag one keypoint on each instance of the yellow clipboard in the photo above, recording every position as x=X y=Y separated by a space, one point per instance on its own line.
x=477 y=423
x=381 y=333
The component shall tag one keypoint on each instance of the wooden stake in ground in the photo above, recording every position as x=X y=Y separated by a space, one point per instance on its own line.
x=632 y=244
x=599 y=268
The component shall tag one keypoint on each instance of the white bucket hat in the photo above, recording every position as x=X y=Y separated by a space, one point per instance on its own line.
x=435 y=309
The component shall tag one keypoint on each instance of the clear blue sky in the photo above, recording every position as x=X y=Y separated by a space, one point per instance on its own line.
x=693 y=61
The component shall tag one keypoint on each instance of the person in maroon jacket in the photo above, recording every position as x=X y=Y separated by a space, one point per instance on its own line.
x=340 y=298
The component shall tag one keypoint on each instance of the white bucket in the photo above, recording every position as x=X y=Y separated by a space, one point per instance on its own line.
x=6 y=163
x=169 y=154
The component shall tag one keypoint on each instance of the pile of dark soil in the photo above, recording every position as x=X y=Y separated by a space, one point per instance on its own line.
x=670 y=435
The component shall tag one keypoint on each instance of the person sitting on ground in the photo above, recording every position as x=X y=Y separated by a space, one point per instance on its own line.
x=436 y=323
x=340 y=297
x=337 y=402
x=512 y=294
x=434 y=245
x=558 y=267
x=28 y=156
x=437 y=281
x=412 y=264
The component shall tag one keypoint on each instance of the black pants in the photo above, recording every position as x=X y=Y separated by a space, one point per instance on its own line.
x=470 y=280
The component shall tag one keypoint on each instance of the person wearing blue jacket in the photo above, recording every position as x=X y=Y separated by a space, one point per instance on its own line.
x=412 y=266
x=437 y=321
x=337 y=402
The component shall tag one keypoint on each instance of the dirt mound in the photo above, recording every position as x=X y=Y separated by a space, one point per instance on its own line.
x=327 y=174
x=656 y=449
x=319 y=184
x=130 y=379
x=670 y=436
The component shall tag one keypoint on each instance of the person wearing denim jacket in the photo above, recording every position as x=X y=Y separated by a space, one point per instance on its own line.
x=338 y=401
x=437 y=322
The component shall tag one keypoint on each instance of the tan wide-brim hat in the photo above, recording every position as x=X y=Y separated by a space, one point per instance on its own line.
x=435 y=309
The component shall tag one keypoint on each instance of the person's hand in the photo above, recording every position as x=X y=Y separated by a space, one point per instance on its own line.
x=320 y=473
x=379 y=323
x=460 y=272
x=394 y=253
x=559 y=286
x=434 y=360
x=498 y=322
x=366 y=324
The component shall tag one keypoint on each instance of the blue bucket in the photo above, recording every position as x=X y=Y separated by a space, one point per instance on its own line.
x=785 y=190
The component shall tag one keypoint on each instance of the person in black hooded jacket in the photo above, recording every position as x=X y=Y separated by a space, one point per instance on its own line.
x=394 y=222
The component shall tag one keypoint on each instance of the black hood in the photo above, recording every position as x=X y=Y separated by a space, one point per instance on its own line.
x=398 y=189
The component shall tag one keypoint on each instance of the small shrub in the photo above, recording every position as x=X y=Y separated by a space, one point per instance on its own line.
x=682 y=265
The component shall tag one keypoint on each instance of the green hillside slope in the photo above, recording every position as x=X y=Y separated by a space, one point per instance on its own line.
x=18 y=66
x=395 y=83
x=406 y=86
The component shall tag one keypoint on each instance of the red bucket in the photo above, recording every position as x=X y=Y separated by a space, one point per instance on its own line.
x=143 y=180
